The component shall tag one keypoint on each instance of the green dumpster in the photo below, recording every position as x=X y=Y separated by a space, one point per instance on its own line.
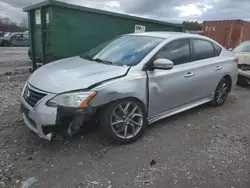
x=59 y=30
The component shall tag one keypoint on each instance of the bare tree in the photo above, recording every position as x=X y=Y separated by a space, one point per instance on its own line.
x=24 y=23
x=6 y=24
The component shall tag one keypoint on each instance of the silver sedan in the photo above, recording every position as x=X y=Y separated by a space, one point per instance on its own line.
x=127 y=83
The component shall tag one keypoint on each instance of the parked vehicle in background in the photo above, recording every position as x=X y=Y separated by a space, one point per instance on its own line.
x=128 y=83
x=198 y=32
x=15 y=39
x=7 y=34
x=228 y=33
x=243 y=53
x=1 y=34
x=1 y=39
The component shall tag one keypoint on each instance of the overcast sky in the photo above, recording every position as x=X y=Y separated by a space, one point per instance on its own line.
x=167 y=10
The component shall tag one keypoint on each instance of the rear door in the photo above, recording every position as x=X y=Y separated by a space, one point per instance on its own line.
x=207 y=67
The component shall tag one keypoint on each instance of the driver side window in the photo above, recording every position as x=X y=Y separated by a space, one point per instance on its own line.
x=177 y=51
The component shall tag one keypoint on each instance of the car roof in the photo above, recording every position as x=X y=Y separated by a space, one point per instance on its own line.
x=165 y=35
x=168 y=34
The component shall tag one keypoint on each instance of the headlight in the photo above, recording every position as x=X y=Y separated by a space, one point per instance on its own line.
x=73 y=99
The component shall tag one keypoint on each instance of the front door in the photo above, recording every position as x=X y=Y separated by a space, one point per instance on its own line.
x=169 y=89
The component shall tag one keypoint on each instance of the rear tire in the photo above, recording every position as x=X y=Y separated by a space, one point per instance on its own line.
x=124 y=121
x=221 y=93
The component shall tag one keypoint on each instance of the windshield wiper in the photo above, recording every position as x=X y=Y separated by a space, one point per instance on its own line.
x=86 y=57
x=102 y=61
x=97 y=59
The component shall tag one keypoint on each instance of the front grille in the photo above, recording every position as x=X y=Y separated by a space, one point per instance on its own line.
x=32 y=97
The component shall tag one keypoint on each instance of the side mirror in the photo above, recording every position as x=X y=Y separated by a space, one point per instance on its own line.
x=164 y=64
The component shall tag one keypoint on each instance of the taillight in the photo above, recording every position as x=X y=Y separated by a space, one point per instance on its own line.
x=236 y=60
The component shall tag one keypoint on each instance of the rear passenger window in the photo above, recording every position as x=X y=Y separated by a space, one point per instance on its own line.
x=217 y=49
x=203 y=49
x=177 y=51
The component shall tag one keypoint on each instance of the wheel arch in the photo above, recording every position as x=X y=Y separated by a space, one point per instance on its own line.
x=103 y=106
x=129 y=89
x=229 y=79
x=8 y=42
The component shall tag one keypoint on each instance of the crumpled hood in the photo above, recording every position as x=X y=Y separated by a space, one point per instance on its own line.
x=73 y=74
x=244 y=58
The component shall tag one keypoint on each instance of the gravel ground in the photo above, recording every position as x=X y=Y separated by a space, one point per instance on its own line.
x=203 y=147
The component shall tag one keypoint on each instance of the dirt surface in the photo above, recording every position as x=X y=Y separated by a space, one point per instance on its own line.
x=203 y=147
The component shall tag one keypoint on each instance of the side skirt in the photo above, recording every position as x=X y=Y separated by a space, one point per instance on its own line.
x=177 y=110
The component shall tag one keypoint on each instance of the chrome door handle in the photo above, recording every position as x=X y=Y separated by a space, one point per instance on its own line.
x=218 y=68
x=189 y=74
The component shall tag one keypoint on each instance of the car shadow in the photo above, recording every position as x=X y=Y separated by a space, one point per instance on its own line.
x=182 y=115
x=92 y=136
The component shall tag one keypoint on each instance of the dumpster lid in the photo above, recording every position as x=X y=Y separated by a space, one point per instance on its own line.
x=98 y=11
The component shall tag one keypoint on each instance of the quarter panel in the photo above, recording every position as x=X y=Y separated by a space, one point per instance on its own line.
x=230 y=68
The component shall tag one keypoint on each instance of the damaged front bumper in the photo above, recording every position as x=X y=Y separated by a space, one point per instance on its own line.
x=48 y=121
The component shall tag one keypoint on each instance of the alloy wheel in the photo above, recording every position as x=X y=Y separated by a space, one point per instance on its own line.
x=5 y=43
x=127 y=120
x=222 y=92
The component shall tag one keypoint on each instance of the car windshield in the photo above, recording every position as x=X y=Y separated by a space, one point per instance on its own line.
x=125 y=50
x=244 y=47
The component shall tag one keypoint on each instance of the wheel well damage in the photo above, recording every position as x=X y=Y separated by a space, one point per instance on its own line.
x=69 y=121
x=99 y=108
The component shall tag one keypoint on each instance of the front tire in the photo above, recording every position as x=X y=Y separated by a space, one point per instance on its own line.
x=5 y=43
x=221 y=93
x=124 y=121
